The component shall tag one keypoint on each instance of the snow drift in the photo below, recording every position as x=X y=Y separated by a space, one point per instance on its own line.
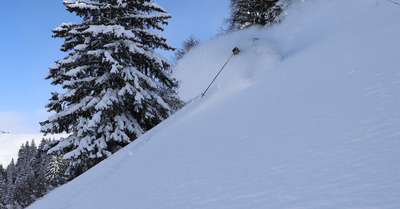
x=306 y=116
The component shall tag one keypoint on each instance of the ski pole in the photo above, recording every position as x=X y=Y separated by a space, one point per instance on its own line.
x=235 y=51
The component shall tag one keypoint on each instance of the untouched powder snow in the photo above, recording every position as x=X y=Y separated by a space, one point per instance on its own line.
x=306 y=116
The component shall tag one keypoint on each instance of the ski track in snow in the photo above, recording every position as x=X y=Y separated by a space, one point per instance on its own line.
x=306 y=116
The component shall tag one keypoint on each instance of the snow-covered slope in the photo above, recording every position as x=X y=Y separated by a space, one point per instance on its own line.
x=10 y=144
x=306 y=116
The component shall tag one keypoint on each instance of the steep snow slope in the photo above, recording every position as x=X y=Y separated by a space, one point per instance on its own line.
x=306 y=116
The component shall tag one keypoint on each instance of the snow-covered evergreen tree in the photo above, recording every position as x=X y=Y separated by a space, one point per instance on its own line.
x=245 y=13
x=23 y=182
x=39 y=166
x=11 y=174
x=24 y=186
x=26 y=155
x=2 y=173
x=55 y=171
x=110 y=76
x=3 y=186
x=42 y=168
x=3 y=193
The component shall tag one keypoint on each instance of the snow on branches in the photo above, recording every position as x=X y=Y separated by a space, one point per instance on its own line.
x=112 y=76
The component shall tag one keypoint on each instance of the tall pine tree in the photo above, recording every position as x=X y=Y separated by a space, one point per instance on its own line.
x=110 y=76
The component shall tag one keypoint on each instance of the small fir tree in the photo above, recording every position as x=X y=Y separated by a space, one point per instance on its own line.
x=110 y=76
x=11 y=173
x=55 y=171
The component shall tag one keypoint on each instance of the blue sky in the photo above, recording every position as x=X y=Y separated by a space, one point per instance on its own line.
x=27 y=50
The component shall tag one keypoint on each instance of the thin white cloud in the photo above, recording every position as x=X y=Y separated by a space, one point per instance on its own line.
x=13 y=122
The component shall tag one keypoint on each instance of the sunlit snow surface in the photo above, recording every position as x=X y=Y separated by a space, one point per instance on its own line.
x=306 y=116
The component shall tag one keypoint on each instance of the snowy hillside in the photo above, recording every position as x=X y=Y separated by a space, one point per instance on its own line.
x=10 y=144
x=306 y=116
